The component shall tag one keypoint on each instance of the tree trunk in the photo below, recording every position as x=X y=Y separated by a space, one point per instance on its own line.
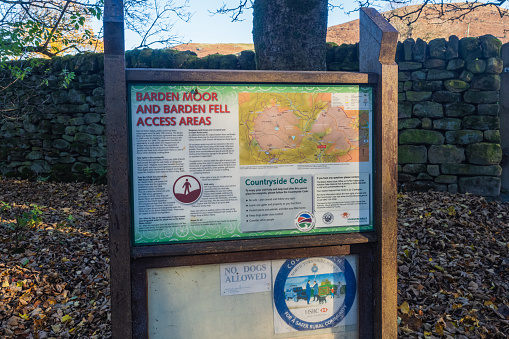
x=290 y=34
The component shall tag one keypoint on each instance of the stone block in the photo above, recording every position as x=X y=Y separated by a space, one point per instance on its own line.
x=40 y=166
x=453 y=188
x=77 y=97
x=433 y=170
x=491 y=46
x=481 y=122
x=79 y=167
x=427 y=86
x=414 y=168
x=404 y=109
x=492 y=136
x=424 y=176
x=434 y=63
x=446 y=179
x=428 y=109
x=401 y=97
x=486 y=82
x=419 y=75
x=455 y=64
x=469 y=48
x=418 y=96
x=103 y=161
x=409 y=154
x=488 y=109
x=97 y=152
x=60 y=97
x=452 y=47
x=420 y=50
x=77 y=121
x=437 y=48
x=459 y=109
x=85 y=138
x=440 y=74
x=445 y=97
x=408 y=46
x=467 y=169
x=409 y=66
x=61 y=145
x=455 y=85
x=426 y=123
x=63 y=119
x=476 y=66
x=463 y=137
x=405 y=177
x=484 y=153
x=409 y=123
x=58 y=129
x=404 y=76
x=95 y=129
x=494 y=66
x=450 y=124
x=466 y=76
x=485 y=97
x=92 y=118
x=416 y=136
x=34 y=155
x=484 y=186
x=446 y=154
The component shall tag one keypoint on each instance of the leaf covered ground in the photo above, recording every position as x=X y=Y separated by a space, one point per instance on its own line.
x=453 y=263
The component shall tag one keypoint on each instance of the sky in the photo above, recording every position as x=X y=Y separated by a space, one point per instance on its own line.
x=207 y=28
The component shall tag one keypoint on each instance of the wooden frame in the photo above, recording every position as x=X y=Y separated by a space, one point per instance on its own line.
x=377 y=250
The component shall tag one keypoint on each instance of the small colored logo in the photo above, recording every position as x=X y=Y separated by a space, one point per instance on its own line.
x=305 y=221
x=187 y=189
x=323 y=310
x=345 y=215
x=328 y=218
x=314 y=269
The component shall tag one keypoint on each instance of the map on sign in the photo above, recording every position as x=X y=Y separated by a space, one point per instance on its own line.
x=293 y=128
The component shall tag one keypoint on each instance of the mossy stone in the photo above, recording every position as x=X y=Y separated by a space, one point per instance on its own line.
x=409 y=154
x=455 y=85
x=484 y=153
x=482 y=122
x=445 y=154
x=463 y=137
x=416 y=136
x=428 y=109
x=468 y=169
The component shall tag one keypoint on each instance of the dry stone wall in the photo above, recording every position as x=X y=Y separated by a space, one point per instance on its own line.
x=449 y=137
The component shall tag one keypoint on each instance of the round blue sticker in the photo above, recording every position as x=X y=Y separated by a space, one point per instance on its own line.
x=314 y=293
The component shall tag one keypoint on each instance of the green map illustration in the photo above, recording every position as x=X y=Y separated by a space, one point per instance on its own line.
x=293 y=128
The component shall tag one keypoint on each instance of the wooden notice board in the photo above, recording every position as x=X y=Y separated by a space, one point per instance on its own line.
x=253 y=204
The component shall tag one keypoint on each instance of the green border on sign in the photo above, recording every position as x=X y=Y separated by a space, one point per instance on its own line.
x=232 y=231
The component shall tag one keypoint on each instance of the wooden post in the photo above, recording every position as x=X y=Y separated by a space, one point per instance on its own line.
x=118 y=168
x=504 y=117
x=377 y=50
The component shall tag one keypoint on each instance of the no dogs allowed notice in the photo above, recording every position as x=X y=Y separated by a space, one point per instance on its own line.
x=216 y=162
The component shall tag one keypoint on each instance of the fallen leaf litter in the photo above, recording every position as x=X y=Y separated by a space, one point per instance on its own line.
x=453 y=264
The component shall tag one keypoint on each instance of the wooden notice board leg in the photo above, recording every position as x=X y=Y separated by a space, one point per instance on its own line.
x=118 y=169
x=377 y=49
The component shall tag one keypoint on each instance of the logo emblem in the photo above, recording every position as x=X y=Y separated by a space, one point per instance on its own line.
x=328 y=218
x=345 y=215
x=305 y=300
x=305 y=221
x=187 y=189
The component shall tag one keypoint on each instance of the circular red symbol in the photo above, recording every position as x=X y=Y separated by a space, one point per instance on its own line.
x=187 y=189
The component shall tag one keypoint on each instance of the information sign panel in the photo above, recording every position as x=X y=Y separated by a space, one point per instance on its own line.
x=216 y=162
